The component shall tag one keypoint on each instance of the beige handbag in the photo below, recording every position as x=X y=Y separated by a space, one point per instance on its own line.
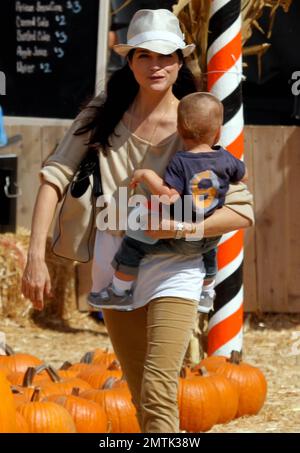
x=75 y=227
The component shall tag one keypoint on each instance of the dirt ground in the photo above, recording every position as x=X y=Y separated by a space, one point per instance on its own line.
x=271 y=342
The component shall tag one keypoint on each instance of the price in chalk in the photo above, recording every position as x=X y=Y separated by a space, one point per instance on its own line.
x=61 y=19
x=59 y=52
x=74 y=5
x=61 y=36
x=45 y=67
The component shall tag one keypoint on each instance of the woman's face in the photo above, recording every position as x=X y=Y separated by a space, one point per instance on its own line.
x=154 y=71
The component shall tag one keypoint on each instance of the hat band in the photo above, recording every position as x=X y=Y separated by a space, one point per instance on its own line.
x=158 y=35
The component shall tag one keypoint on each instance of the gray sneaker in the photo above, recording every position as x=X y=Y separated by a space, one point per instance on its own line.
x=206 y=302
x=108 y=299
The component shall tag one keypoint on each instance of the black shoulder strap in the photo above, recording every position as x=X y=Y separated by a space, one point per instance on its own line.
x=97 y=187
x=81 y=180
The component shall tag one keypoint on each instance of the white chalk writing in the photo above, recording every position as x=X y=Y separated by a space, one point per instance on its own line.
x=25 y=68
x=34 y=35
x=34 y=21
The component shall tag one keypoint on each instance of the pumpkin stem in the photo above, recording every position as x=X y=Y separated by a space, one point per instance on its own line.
x=87 y=358
x=52 y=374
x=115 y=365
x=75 y=391
x=15 y=389
x=66 y=365
x=40 y=368
x=28 y=377
x=36 y=395
x=235 y=357
x=31 y=372
x=109 y=383
x=8 y=350
x=203 y=371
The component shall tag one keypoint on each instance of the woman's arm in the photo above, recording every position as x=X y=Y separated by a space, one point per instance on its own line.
x=221 y=221
x=36 y=280
x=56 y=174
x=224 y=220
x=236 y=214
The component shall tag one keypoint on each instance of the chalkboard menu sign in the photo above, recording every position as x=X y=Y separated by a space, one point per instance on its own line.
x=48 y=54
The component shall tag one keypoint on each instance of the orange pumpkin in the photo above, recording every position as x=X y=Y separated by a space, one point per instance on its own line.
x=5 y=370
x=97 y=375
x=76 y=368
x=250 y=382
x=105 y=359
x=46 y=416
x=119 y=408
x=211 y=363
x=7 y=407
x=57 y=385
x=113 y=382
x=89 y=417
x=33 y=375
x=22 y=395
x=229 y=397
x=99 y=357
x=187 y=372
x=22 y=425
x=18 y=361
x=199 y=404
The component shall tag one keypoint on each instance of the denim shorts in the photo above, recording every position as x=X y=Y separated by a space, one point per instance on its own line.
x=131 y=252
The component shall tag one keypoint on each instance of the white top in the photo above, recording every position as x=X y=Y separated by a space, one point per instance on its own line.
x=169 y=275
x=159 y=275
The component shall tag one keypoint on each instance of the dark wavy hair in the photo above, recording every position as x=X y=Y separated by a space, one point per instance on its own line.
x=121 y=90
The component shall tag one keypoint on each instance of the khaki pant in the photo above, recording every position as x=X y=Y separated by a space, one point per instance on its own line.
x=150 y=343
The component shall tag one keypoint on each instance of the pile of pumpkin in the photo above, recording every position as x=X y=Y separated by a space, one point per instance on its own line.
x=92 y=396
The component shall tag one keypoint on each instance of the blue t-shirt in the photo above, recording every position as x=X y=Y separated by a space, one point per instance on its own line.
x=205 y=176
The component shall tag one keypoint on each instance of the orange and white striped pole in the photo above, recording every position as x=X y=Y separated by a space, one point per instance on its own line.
x=224 y=63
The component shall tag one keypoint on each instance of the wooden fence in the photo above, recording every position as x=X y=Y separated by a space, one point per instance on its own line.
x=272 y=248
x=272 y=261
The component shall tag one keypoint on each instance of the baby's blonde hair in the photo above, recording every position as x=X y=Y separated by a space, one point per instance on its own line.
x=200 y=116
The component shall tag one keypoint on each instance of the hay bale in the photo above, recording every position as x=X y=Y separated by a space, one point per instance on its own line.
x=13 y=252
x=12 y=261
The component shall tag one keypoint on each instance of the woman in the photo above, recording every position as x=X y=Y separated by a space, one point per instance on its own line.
x=136 y=128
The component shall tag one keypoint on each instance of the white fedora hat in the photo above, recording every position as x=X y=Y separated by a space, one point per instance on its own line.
x=157 y=30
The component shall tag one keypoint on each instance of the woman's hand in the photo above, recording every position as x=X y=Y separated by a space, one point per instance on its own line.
x=167 y=229
x=36 y=282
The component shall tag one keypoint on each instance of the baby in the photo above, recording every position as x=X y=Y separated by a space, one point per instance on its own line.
x=203 y=171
